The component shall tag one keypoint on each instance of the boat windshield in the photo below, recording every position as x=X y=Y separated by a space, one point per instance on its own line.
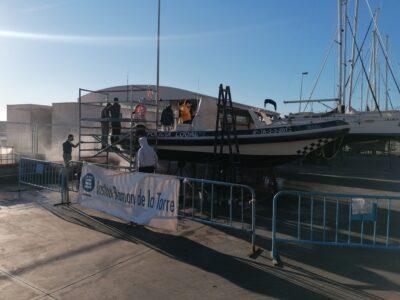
x=264 y=118
x=243 y=119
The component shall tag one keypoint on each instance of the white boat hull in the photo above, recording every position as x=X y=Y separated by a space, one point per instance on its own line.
x=364 y=126
x=269 y=146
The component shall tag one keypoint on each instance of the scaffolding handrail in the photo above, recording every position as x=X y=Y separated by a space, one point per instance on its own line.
x=125 y=136
x=126 y=120
x=130 y=102
x=133 y=89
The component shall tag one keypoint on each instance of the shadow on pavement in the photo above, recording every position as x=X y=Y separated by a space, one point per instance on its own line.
x=252 y=275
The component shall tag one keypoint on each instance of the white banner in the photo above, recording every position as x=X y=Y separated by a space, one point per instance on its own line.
x=146 y=199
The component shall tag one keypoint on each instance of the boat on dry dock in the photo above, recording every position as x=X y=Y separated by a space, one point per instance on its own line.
x=262 y=137
x=375 y=121
x=364 y=126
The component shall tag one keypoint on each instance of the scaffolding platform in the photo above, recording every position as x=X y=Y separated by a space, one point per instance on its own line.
x=120 y=137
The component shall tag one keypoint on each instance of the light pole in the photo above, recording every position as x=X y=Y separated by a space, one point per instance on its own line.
x=158 y=67
x=301 y=88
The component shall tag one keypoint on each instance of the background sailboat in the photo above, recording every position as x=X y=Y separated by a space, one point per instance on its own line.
x=373 y=122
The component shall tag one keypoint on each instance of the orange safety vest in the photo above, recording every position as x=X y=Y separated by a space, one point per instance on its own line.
x=140 y=110
x=185 y=113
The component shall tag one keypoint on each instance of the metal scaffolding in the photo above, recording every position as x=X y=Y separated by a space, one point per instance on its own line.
x=132 y=124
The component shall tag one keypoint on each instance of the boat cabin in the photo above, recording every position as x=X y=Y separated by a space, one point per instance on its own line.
x=200 y=115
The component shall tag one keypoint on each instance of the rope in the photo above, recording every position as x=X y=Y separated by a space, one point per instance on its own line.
x=321 y=70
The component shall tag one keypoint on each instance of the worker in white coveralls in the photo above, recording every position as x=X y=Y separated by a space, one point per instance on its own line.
x=146 y=159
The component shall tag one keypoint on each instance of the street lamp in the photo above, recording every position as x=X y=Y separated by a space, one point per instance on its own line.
x=301 y=88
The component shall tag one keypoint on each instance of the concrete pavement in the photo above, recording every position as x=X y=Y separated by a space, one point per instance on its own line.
x=49 y=252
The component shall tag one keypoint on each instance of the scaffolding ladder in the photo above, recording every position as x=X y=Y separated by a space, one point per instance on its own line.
x=227 y=166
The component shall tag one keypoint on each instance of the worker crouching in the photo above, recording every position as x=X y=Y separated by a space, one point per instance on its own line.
x=146 y=159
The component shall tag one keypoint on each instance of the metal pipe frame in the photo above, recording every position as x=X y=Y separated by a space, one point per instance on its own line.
x=52 y=177
x=334 y=198
x=119 y=101
x=55 y=177
x=311 y=101
x=212 y=220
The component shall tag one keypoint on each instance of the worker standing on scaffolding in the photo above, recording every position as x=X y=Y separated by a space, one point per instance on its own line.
x=105 y=125
x=146 y=159
x=67 y=149
x=115 y=112
x=185 y=113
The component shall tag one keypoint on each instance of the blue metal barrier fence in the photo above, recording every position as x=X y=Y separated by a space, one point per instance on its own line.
x=339 y=220
x=53 y=176
x=219 y=203
x=42 y=174
x=211 y=202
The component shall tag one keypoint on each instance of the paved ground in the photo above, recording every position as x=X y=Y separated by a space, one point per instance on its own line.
x=54 y=252
x=375 y=174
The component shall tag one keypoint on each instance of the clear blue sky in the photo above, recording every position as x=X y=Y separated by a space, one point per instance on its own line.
x=50 y=48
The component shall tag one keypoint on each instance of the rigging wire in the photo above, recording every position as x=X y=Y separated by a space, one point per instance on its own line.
x=383 y=48
x=363 y=66
x=359 y=74
x=321 y=70
x=325 y=61
x=361 y=48
x=384 y=82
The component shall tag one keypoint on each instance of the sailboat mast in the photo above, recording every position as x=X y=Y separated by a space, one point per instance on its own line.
x=375 y=55
x=353 y=51
x=340 y=56
x=361 y=91
x=344 y=24
x=386 y=74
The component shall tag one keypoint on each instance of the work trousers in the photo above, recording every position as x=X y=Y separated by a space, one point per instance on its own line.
x=67 y=158
x=115 y=131
x=105 y=131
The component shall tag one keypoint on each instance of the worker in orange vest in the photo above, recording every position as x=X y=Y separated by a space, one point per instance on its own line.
x=186 y=115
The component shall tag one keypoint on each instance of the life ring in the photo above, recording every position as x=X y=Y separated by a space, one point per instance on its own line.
x=140 y=110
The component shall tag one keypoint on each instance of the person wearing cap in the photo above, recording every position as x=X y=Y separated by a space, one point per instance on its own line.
x=115 y=113
x=146 y=159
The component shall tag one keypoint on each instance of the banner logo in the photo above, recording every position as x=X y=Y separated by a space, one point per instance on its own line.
x=88 y=182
